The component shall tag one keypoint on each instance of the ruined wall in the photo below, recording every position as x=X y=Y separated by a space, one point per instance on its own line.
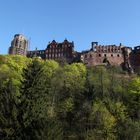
x=135 y=58
x=102 y=55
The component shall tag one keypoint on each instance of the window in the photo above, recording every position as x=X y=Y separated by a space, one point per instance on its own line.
x=90 y=56
x=99 y=55
x=104 y=55
x=118 y=55
x=85 y=56
x=20 y=43
x=16 y=43
x=111 y=55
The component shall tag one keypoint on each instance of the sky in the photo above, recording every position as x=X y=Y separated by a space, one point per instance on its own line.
x=82 y=21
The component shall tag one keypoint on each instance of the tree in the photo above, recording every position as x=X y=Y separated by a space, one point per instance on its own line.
x=70 y=98
x=102 y=123
x=133 y=101
x=36 y=102
x=10 y=76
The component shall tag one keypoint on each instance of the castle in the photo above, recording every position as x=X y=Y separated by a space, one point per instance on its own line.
x=120 y=55
x=55 y=51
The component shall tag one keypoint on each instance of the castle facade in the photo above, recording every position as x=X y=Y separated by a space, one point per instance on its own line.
x=120 y=55
x=55 y=51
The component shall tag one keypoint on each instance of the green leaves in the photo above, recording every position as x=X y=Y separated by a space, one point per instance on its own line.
x=43 y=100
x=134 y=86
x=103 y=121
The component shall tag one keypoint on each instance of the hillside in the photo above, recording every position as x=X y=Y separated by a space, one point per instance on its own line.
x=42 y=100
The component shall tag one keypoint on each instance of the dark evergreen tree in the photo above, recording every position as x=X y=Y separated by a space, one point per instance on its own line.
x=35 y=104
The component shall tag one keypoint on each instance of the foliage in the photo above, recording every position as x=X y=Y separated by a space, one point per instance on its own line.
x=44 y=100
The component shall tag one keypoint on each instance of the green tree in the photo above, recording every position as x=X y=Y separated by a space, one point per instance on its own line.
x=36 y=102
x=102 y=123
x=133 y=101
x=70 y=98
x=10 y=77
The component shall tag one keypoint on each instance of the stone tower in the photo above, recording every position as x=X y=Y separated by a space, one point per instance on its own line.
x=19 y=45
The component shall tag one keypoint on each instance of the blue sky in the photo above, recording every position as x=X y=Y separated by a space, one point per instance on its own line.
x=81 y=21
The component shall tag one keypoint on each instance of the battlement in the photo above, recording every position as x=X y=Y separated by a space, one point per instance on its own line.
x=106 y=48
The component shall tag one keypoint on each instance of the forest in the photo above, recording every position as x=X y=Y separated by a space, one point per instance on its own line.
x=45 y=100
